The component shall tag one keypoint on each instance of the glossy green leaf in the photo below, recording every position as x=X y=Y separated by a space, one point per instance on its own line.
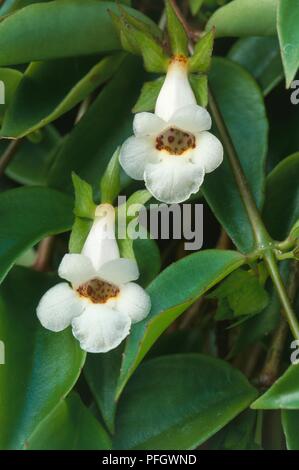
x=101 y=372
x=239 y=434
x=188 y=398
x=284 y=393
x=245 y=18
x=40 y=367
x=61 y=28
x=9 y=6
x=172 y=292
x=28 y=215
x=9 y=81
x=71 y=426
x=96 y=135
x=261 y=57
x=32 y=161
x=148 y=259
x=50 y=89
x=242 y=106
x=290 y=421
x=288 y=33
x=281 y=209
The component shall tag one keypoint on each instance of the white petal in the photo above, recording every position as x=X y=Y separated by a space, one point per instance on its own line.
x=100 y=328
x=146 y=124
x=174 y=179
x=119 y=271
x=135 y=153
x=76 y=269
x=208 y=152
x=58 y=307
x=192 y=118
x=101 y=245
x=176 y=91
x=134 y=301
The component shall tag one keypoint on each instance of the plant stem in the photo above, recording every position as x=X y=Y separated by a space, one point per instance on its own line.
x=260 y=233
x=288 y=311
x=270 y=370
x=8 y=155
x=44 y=254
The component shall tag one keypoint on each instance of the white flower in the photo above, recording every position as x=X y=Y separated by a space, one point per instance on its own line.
x=102 y=302
x=171 y=150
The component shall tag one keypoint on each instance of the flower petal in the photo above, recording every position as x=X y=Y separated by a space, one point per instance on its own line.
x=208 y=152
x=176 y=91
x=101 y=245
x=119 y=271
x=174 y=179
x=76 y=269
x=192 y=118
x=135 y=153
x=146 y=124
x=134 y=301
x=58 y=307
x=100 y=328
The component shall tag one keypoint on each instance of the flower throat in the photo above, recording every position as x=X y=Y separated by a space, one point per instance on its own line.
x=175 y=141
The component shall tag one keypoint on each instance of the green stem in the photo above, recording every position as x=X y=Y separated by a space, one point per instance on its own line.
x=260 y=233
x=8 y=155
x=288 y=311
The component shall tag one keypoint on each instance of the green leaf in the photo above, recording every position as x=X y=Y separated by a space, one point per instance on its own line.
x=27 y=216
x=110 y=182
x=84 y=205
x=38 y=32
x=50 y=89
x=96 y=134
x=290 y=426
x=80 y=230
x=199 y=84
x=148 y=96
x=284 y=393
x=242 y=106
x=172 y=292
x=188 y=398
x=32 y=161
x=244 y=293
x=148 y=258
x=287 y=28
x=10 y=79
x=9 y=6
x=200 y=61
x=195 y=6
x=281 y=209
x=239 y=434
x=71 y=426
x=261 y=57
x=176 y=31
x=101 y=372
x=245 y=18
x=41 y=367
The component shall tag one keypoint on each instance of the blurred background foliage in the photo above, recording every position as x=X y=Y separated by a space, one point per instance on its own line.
x=188 y=375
